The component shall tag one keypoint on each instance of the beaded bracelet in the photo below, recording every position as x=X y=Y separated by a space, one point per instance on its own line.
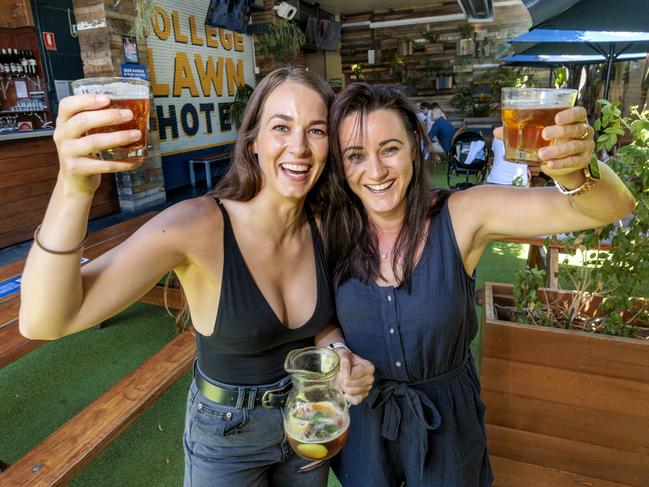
x=57 y=252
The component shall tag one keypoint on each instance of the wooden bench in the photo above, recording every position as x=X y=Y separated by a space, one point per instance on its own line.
x=12 y=344
x=547 y=260
x=221 y=160
x=65 y=452
x=58 y=458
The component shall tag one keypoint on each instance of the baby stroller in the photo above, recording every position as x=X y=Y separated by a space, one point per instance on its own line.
x=467 y=156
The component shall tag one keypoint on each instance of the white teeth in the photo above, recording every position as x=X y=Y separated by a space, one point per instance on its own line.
x=379 y=187
x=296 y=167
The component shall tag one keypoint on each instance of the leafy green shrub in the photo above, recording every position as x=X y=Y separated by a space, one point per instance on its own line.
x=621 y=275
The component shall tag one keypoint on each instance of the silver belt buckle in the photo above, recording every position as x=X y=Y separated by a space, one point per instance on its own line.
x=266 y=398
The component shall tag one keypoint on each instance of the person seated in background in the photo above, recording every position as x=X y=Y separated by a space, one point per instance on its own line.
x=505 y=172
x=442 y=129
x=424 y=114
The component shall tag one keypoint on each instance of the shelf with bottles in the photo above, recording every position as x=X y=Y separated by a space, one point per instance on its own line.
x=17 y=62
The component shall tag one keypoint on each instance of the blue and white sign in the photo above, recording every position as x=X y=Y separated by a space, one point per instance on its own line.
x=134 y=71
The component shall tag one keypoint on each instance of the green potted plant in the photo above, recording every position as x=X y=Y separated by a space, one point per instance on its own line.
x=567 y=400
x=238 y=106
x=282 y=42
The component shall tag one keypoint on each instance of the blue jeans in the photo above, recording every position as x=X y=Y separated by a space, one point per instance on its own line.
x=240 y=447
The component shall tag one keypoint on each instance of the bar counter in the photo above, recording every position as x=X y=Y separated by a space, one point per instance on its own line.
x=28 y=170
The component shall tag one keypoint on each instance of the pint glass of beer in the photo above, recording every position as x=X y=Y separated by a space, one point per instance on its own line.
x=128 y=93
x=525 y=112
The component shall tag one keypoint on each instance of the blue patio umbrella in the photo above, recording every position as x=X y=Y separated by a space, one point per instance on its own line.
x=593 y=15
x=610 y=45
x=550 y=61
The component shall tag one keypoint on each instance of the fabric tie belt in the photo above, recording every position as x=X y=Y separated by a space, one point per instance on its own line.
x=386 y=393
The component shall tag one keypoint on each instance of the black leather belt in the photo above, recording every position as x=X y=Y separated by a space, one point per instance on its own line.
x=248 y=396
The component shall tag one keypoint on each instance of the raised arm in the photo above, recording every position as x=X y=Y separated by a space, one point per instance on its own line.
x=488 y=212
x=58 y=297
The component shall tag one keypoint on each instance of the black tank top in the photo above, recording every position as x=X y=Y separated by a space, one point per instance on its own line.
x=249 y=343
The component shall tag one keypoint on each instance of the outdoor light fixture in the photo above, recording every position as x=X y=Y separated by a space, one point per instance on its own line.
x=477 y=10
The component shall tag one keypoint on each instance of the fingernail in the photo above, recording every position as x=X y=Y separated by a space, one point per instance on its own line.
x=135 y=134
x=543 y=153
x=126 y=114
x=102 y=99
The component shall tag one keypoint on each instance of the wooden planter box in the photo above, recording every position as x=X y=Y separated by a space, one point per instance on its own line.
x=564 y=408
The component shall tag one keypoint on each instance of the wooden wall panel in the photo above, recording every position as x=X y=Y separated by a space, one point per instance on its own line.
x=28 y=170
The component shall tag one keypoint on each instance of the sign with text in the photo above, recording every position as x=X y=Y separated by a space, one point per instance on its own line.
x=194 y=70
x=133 y=71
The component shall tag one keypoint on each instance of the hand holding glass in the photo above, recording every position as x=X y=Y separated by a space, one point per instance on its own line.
x=526 y=112
x=124 y=93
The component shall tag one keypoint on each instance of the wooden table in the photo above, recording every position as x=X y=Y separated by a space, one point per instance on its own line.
x=547 y=260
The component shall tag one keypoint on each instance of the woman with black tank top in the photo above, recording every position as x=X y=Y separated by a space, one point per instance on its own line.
x=404 y=272
x=249 y=257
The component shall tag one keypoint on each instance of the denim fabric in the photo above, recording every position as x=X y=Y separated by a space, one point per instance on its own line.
x=233 y=447
x=423 y=422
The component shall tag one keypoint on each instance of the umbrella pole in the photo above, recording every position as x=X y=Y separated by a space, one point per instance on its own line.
x=609 y=68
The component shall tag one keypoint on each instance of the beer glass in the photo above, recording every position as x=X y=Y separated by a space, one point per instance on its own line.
x=525 y=112
x=131 y=93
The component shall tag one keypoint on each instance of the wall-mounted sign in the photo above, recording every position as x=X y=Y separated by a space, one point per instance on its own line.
x=133 y=71
x=49 y=41
x=194 y=70
x=129 y=44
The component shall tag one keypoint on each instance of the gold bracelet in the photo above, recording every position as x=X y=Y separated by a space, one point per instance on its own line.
x=57 y=252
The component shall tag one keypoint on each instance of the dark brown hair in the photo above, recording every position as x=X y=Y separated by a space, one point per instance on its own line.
x=244 y=178
x=352 y=244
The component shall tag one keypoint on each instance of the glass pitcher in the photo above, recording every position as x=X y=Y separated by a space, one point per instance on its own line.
x=316 y=415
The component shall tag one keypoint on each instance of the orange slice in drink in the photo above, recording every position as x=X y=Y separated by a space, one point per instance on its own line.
x=312 y=450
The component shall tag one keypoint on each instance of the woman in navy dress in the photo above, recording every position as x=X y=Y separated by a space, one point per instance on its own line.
x=404 y=262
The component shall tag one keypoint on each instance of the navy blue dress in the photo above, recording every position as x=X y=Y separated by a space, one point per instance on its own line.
x=423 y=421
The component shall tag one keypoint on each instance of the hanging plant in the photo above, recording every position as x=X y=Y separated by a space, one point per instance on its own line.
x=143 y=14
x=283 y=41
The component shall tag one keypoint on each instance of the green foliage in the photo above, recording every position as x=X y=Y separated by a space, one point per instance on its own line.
x=621 y=274
x=143 y=14
x=466 y=31
x=463 y=99
x=484 y=105
x=238 y=106
x=561 y=77
x=282 y=42
x=529 y=307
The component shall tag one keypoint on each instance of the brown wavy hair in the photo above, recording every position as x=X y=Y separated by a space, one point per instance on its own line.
x=244 y=178
x=351 y=240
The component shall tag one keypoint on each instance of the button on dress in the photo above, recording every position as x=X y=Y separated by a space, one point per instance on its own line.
x=423 y=421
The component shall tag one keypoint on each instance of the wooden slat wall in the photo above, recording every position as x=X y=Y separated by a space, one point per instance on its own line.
x=443 y=52
x=563 y=407
x=28 y=170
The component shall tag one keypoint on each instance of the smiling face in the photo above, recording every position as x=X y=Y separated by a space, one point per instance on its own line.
x=379 y=161
x=292 y=142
